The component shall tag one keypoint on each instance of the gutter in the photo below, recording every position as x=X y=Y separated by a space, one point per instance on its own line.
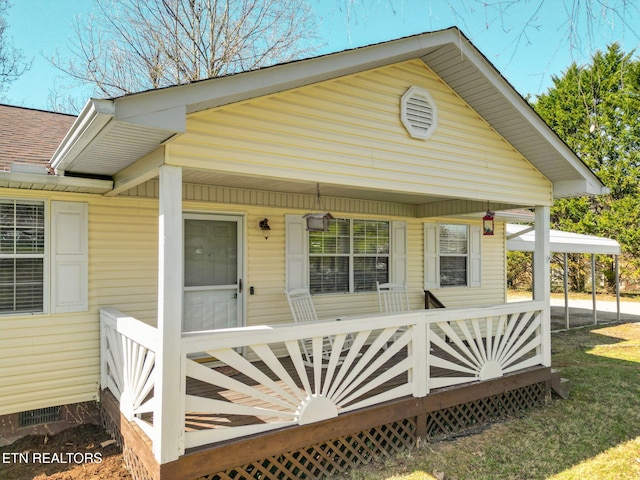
x=32 y=181
x=95 y=115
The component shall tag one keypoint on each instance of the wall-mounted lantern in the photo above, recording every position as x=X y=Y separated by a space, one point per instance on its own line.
x=318 y=222
x=264 y=226
x=487 y=223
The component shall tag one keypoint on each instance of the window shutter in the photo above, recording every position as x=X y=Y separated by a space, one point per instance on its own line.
x=398 y=273
x=69 y=247
x=296 y=274
x=475 y=260
x=431 y=275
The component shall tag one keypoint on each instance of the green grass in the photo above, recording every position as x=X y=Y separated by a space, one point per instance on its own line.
x=595 y=434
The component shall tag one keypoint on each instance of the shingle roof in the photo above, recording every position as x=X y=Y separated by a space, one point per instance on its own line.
x=30 y=136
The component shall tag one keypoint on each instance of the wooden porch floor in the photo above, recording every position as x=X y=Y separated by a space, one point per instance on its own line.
x=199 y=421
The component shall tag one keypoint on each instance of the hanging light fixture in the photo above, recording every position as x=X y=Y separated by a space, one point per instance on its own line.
x=318 y=222
x=487 y=222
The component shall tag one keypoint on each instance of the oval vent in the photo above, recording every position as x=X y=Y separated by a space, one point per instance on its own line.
x=418 y=113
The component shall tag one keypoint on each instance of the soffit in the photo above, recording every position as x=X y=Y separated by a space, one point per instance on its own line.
x=280 y=185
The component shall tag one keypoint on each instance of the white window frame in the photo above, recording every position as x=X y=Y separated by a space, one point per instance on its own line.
x=432 y=256
x=351 y=256
x=44 y=255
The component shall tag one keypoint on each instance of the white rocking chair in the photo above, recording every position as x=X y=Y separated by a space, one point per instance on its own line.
x=304 y=311
x=393 y=298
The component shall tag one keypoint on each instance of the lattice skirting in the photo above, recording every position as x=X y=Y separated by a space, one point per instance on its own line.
x=465 y=416
x=340 y=454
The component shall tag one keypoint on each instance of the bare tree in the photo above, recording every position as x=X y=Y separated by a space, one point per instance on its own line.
x=135 y=45
x=12 y=63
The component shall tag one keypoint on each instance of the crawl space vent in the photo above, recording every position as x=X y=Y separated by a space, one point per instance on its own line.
x=418 y=113
x=39 y=416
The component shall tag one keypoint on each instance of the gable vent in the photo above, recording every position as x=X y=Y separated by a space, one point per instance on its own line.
x=418 y=113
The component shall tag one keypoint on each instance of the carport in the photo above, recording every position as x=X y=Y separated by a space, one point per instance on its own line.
x=521 y=238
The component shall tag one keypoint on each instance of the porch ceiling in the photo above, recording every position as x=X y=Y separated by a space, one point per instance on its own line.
x=280 y=185
x=111 y=134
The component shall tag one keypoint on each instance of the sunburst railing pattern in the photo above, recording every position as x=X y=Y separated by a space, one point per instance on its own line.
x=271 y=385
x=128 y=365
x=485 y=348
x=244 y=381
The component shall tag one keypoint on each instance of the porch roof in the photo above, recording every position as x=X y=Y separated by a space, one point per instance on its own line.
x=109 y=135
x=521 y=239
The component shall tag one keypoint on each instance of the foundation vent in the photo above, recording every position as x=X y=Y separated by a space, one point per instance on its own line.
x=39 y=416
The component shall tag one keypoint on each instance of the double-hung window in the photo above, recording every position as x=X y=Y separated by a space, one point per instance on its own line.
x=350 y=257
x=452 y=255
x=22 y=256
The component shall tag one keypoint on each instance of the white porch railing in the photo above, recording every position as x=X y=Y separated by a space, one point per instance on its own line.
x=127 y=365
x=258 y=380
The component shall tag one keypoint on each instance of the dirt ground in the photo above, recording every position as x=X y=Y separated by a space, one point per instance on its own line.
x=74 y=454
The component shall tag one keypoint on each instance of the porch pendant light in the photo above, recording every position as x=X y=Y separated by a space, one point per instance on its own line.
x=487 y=222
x=318 y=222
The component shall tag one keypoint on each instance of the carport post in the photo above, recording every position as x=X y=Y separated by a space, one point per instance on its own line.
x=593 y=288
x=615 y=260
x=566 y=289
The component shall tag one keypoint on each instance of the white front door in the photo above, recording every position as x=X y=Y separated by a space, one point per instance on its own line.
x=212 y=272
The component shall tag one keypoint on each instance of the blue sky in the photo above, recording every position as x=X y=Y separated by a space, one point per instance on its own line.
x=526 y=56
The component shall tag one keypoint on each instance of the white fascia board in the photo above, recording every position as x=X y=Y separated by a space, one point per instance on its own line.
x=505 y=89
x=578 y=188
x=277 y=78
x=95 y=115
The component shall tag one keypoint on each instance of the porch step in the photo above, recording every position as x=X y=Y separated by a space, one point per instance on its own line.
x=559 y=385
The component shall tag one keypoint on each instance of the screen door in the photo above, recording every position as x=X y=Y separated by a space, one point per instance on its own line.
x=212 y=272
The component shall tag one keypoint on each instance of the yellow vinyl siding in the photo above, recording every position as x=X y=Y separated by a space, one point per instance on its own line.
x=347 y=132
x=49 y=360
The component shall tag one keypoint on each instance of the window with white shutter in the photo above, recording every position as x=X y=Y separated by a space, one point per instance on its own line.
x=350 y=257
x=451 y=255
x=34 y=261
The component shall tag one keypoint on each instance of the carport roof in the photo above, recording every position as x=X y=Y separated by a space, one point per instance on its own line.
x=522 y=238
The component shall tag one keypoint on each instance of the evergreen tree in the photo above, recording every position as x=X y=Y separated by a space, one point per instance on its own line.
x=595 y=109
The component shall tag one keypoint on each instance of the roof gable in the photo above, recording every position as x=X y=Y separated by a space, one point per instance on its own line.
x=348 y=131
x=156 y=116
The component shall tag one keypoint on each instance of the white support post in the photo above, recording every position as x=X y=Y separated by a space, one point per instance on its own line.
x=421 y=361
x=168 y=420
x=542 y=277
x=104 y=379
